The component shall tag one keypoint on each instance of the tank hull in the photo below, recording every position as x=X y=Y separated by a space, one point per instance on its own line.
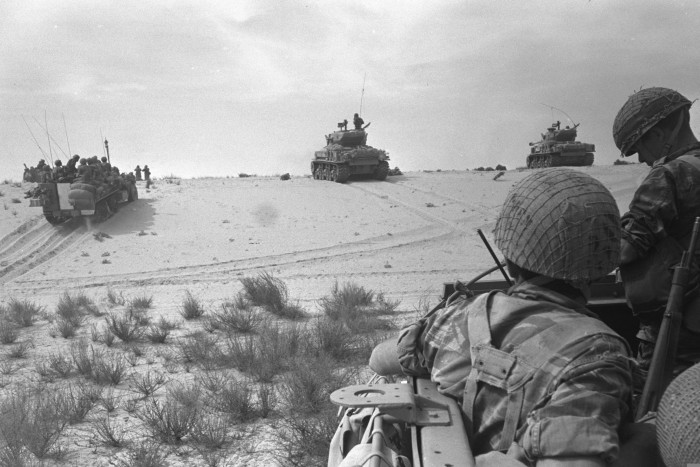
x=558 y=148
x=346 y=155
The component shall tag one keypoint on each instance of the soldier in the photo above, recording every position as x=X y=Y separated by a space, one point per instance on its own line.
x=535 y=372
x=137 y=171
x=106 y=166
x=655 y=123
x=358 y=122
x=58 y=171
x=84 y=171
x=146 y=173
x=71 y=168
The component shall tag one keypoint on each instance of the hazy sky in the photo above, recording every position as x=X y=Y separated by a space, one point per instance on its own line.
x=197 y=88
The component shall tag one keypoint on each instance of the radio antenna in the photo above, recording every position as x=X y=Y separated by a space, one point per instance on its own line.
x=554 y=108
x=363 y=92
x=66 y=131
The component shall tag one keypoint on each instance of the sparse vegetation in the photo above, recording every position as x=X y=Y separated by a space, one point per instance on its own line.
x=191 y=307
x=23 y=312
x=271 y=294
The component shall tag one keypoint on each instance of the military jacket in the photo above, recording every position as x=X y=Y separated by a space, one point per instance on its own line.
x=665 y=204
x=530 y=367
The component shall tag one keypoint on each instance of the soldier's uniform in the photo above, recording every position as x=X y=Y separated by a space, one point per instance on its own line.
x=660 y=220
x=535 y=372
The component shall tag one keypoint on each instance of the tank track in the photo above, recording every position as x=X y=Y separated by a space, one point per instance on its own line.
x=539 y=161
x=338 y=173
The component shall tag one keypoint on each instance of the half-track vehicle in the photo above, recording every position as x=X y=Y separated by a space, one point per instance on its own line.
x=558 y=147
x=92 y=190
x=61 y=201
x=346 y=154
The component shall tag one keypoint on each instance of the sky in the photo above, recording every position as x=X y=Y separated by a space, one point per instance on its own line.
x=197 y=88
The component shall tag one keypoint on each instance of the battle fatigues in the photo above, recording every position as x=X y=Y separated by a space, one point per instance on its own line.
x=665 y=205
x=540 y=372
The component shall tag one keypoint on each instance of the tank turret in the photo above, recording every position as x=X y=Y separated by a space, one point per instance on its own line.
x=558 y=147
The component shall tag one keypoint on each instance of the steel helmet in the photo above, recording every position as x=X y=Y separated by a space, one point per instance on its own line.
x=641 y=112
x=678 y=420
x=562 y=224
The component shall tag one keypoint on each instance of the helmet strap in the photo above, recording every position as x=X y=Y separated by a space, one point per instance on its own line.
x=672 y=137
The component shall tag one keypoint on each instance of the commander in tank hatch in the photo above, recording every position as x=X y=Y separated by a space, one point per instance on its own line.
x=358 y=122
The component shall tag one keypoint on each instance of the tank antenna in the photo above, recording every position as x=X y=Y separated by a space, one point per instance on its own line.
x=48 y=137
x=33 y=137
x=66 y=131
x=554 y=108
x=363 y=92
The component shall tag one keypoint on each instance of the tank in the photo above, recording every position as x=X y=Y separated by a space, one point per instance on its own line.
x=558 y=147
x=346 y=154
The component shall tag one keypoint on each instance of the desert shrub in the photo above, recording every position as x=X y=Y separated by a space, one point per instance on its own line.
x=333 y=339
x=60 y=365
x=115 y=298
x=501 y=167
x=346 y=302
x=150 y=454
x=108 y=368
x=77 y=400
x=74 y=308
x=199 y=348
x=305 y=440
x=237 y=400
x=8 y=368
x=9 y=332
x=32 y=418
x=65 y=328
x=211 y=431
x=157 y=334
x=271 y=293
x=168 y=421
x=191 y=307
x=186 y=394
x=82 y=353
x=126 y=326
x=307 y=386
x=267 y=399
x=142 y=302
x=109 y=400
x=109 y=432
x=20 y=349
x=383 y=306
x=23 y=312
x=147 y=384
x=233 y=318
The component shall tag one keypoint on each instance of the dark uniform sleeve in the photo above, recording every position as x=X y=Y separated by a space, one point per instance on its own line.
x=652 y=207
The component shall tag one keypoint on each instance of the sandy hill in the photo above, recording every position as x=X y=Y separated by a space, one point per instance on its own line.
x=404 y=237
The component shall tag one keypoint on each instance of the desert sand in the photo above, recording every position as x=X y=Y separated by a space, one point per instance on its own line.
x=404 y=237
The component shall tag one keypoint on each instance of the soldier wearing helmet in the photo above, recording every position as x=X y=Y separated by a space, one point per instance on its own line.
x=535 y=372
x=655 y=123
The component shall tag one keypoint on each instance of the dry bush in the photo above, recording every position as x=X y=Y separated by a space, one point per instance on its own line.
x=60 y=365
x=307 y=386
x=109 y=432
x=345 y=302
x=305 y=440
x=126 y=326
x=73 y=309
x=115 y=298
x=191 y=307
x=147 y=384
x=211 y=431
x=142 y=302
x=32 y=418
x=236 y=399
x=23 y=312
x=212 y=380
x=65 y=328
x=77 y=400
x=186 y=394
x=199 y=348
x=101 y=367
x=233 y=318
x=20 y=350
x=333 y=339
x=169 y=421
x=267 y=399
x=150 y=454
x=271 y=294
x=9 y=331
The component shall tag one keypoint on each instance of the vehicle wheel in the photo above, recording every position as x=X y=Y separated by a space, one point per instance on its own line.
x=382 y=170
x=333 y=174
x=112 y=204
x=326 y=174
x=314 y=172
x=547 y=162
x=54 y=220
x=343 y=174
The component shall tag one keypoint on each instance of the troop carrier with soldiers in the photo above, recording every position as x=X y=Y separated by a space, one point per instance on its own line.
x=92 y=188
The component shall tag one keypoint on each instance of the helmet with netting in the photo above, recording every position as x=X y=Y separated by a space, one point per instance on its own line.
x=678 y=420
x=562 y=224
x=641 y=112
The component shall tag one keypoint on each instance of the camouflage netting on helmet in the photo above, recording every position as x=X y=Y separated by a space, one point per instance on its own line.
x=560 y=223
x=678 y=420
x=641 y=112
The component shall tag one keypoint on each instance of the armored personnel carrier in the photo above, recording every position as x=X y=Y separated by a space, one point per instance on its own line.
x=559 y=148
x=346 y=154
